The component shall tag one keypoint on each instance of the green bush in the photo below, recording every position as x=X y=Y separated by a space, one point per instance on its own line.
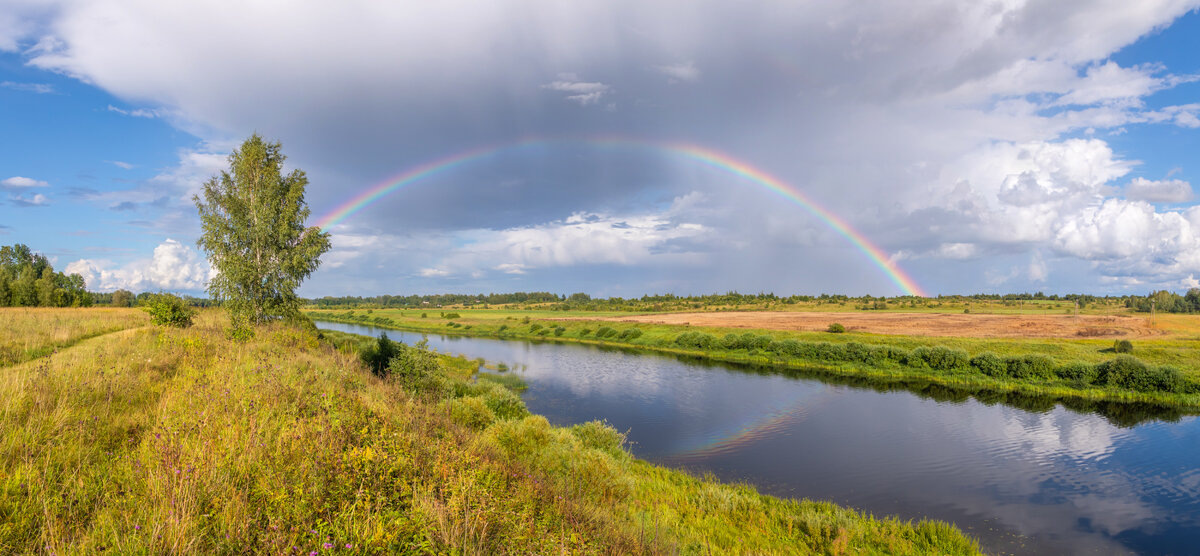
x=606 y=332
x=168 y=310
x=836 y=328
x=1078 y=372
x=1029 y=367
x=502 y=328
x=452 y=316
x=535 y=327
x=558 y=330
x=630 y=334
x=585 y=331
x=599 y=435
x=1123 y=346
x=504 y=403
x=377 y=356
x=989 y=364
x=698 y=340
x=1129 y=372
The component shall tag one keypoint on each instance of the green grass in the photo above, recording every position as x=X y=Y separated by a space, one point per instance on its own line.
x=154 y=440
x=1178 y=347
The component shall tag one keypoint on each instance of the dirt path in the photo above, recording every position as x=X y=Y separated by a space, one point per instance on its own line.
x=917 y=324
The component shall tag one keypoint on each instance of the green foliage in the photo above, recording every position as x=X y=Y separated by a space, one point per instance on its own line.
x=939 y=358
x=989 y=364
x=28 y=280
x=1129 y=372
x=606 y=332
x=168 y=310
x=1026 y=367
x=585 y=332
x=1123 y=346
x=630 y=334
x=558 y=330
x=502 y=328
x=1078 y=372
x=452 y=316
x=535 y=327
x=253 y=231
x=122 y=298
x=836 y=328
x=695 y=340
x=378 y=356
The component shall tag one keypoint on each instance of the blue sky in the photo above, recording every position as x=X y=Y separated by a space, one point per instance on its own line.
x=1019 y=147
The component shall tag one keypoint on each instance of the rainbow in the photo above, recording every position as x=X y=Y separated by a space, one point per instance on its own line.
x=697 y=153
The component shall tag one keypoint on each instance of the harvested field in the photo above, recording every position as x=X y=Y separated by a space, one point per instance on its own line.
x=918 y=324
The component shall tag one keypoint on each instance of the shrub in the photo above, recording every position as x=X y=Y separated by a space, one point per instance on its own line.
x=946 y=359
x=605 y=332
x=989 y=364
x=1078 y=372
x=535 y=327
x=1129 y=372
x=599 y=435
x=502 y=328
x=558 y=330
x=504 y=403
x=424 y=316
x=1029 y=366
x=585 y=331
x=168 y=310
x=697 y=340
x=836 y=328
x=630 y=334
x=376 y=357
x=452 y=316
x=1123 y=346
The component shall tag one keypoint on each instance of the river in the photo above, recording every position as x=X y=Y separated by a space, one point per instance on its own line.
x=1034 y=479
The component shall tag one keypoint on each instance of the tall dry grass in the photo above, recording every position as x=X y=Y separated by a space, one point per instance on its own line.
x=30 y=332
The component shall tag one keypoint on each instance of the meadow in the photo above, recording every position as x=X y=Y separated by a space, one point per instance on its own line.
x=1162 y=366
x=30 y=332
x=165 y=440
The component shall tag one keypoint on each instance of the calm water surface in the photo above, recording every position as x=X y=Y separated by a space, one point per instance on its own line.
x=1051 y=481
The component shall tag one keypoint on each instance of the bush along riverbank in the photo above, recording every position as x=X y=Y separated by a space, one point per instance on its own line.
x=1121 y=377
x=185 y=441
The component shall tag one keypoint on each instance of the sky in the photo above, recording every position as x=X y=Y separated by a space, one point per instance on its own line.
x=621 y=148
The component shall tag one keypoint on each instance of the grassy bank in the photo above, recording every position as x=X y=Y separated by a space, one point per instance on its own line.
x=180 y=441
x=1160 y=371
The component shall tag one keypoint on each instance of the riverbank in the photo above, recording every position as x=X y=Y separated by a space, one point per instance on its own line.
x=183 y=441
x=1160 y=372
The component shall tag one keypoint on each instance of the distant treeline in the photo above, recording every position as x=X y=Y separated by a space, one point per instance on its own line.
x=28 y=280
x=382 y=301
x=1166 y=302
x=126 y=298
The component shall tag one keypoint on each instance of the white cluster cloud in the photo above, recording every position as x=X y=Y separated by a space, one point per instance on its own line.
x=19 y=182
x=580 y=239
x=1159 y=191
x=582 y=92
x=35 y=200
x=173 y=267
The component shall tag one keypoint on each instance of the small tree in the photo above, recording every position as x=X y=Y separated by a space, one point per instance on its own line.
x=168 y=310
x=253 y=221
x=122 y=298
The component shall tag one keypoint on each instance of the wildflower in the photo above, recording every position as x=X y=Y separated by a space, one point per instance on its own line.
x=328 y=545
x=137 y=527
x=348 y=545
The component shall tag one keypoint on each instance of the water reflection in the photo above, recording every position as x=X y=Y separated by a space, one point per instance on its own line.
x=1025 y=474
